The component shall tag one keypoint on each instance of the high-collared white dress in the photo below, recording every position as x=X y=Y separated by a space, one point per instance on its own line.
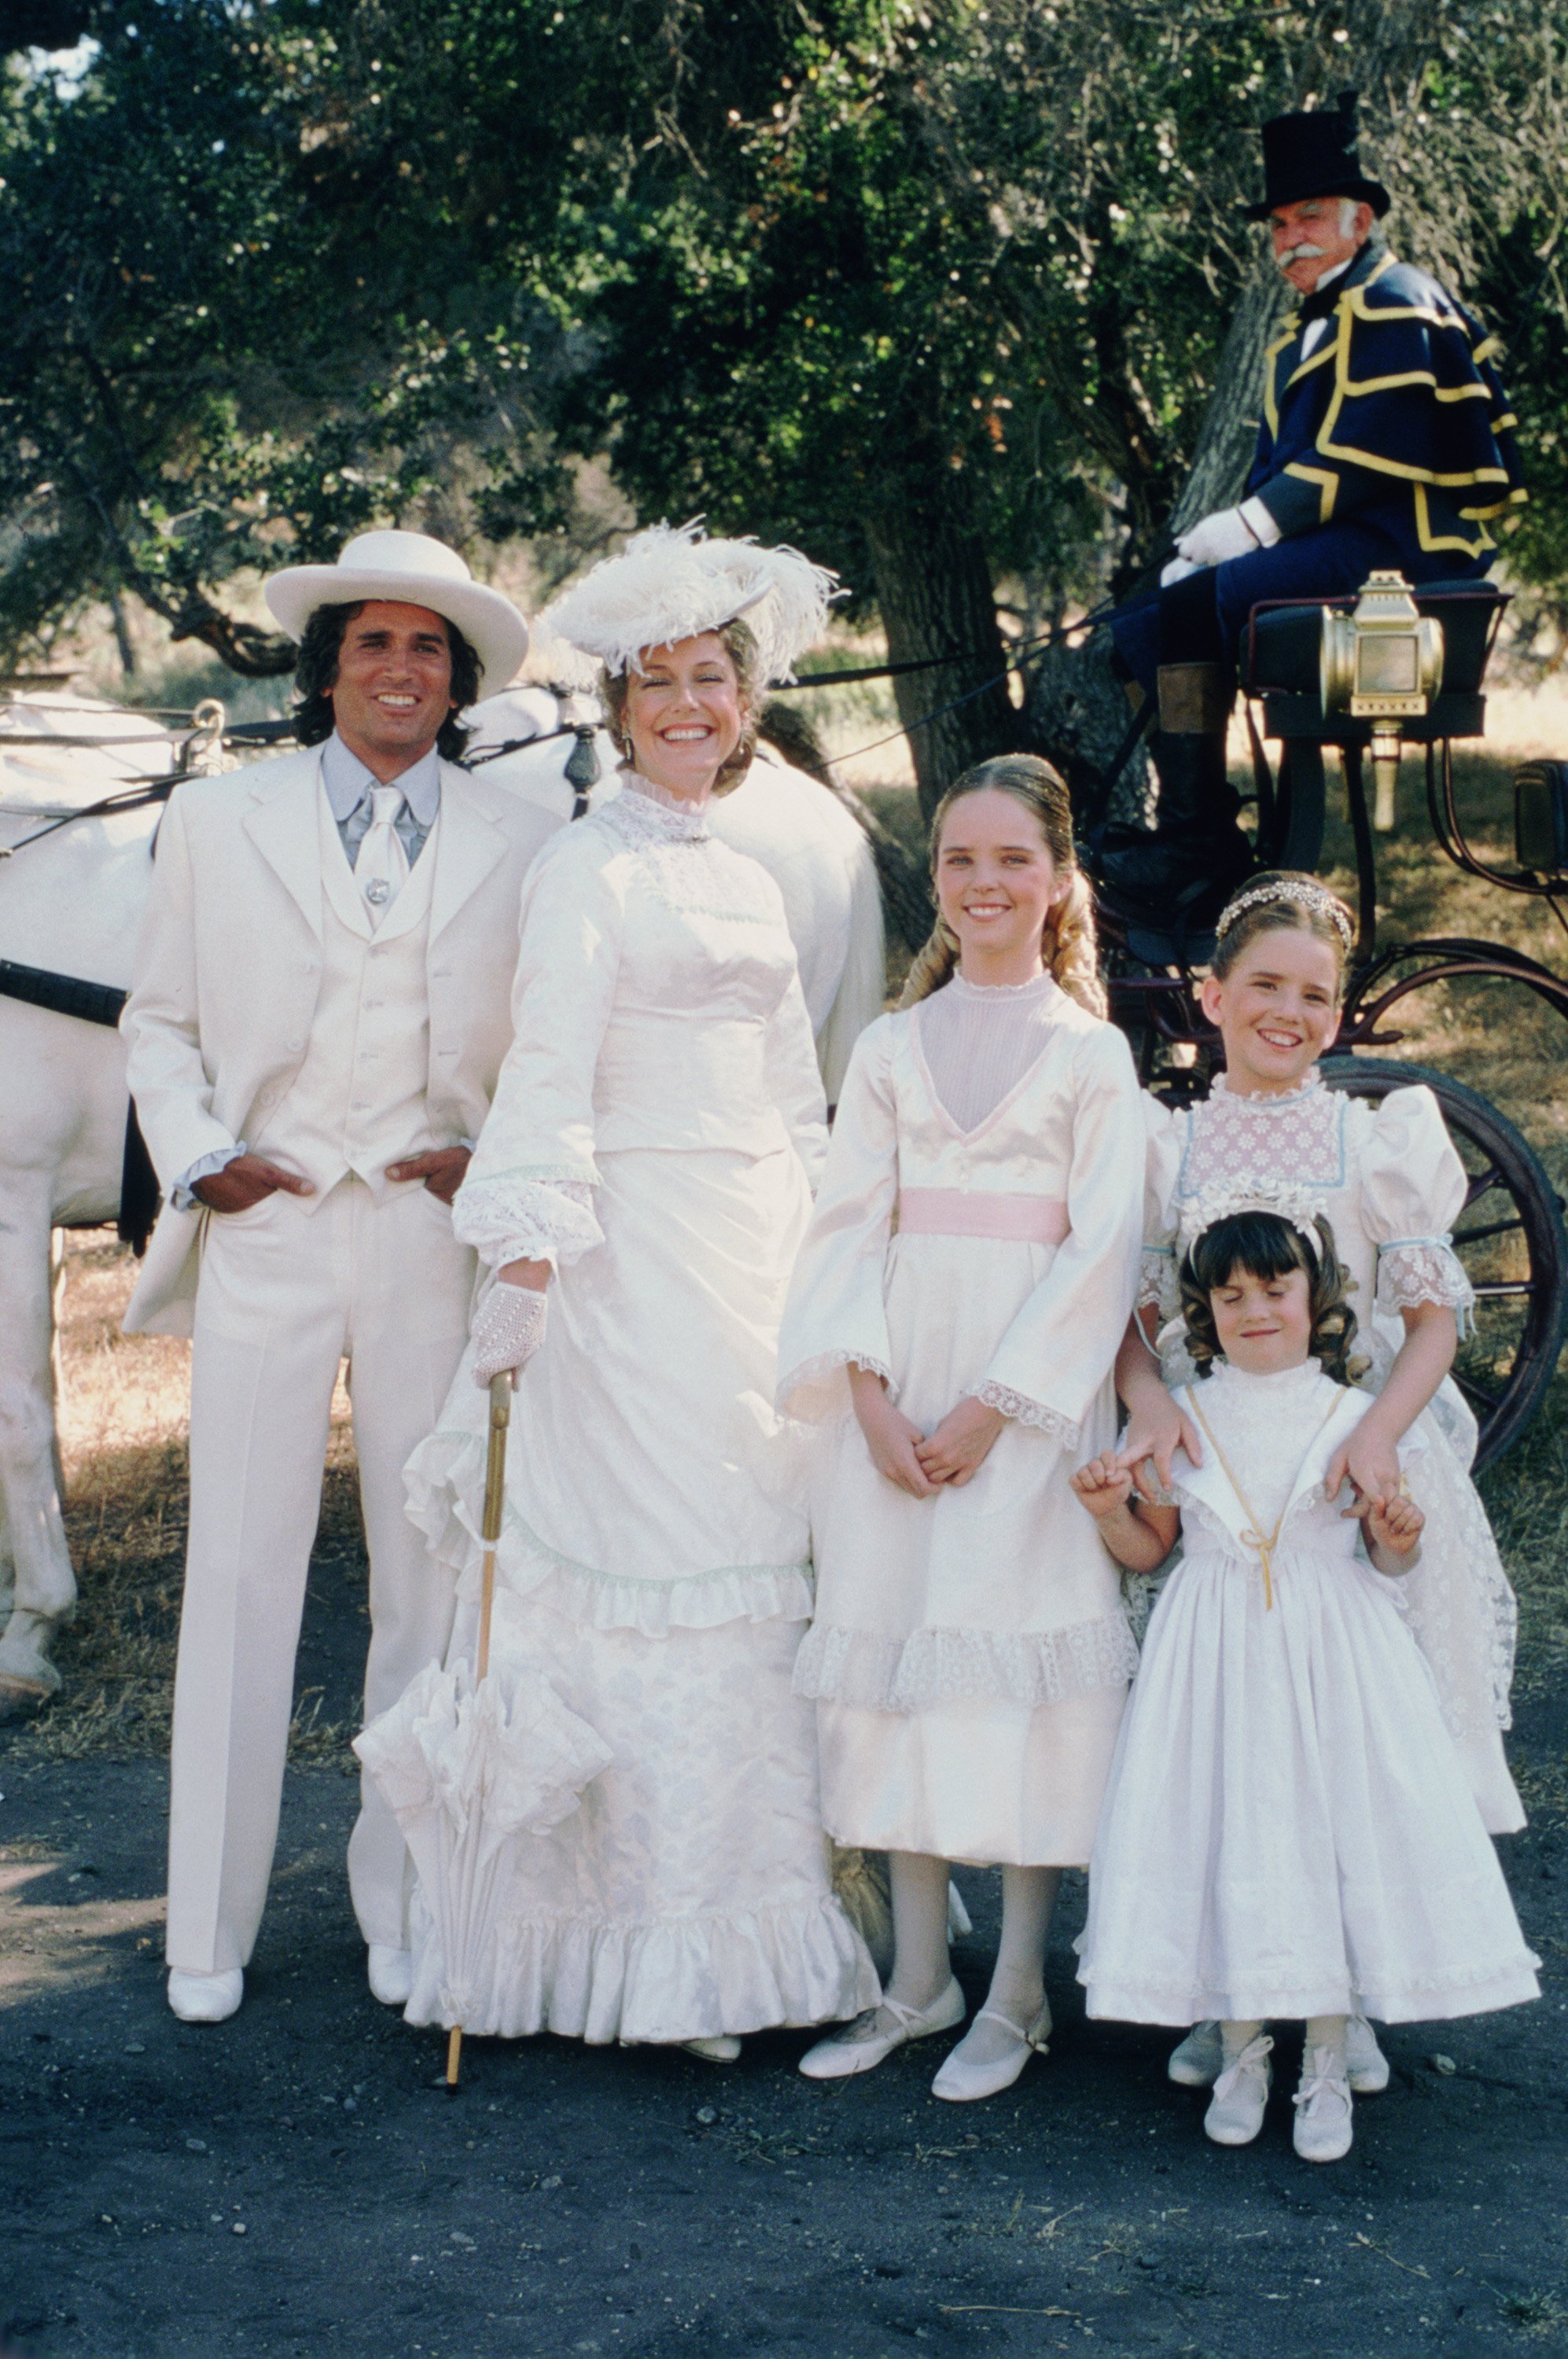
x=1393 y=1188
x=656 y=1127
x=977 y=1231
x=1288 y=1830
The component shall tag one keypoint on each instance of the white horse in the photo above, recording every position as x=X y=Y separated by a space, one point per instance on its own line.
x=71 y=904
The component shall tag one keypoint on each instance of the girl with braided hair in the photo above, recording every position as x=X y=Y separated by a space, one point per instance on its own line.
x=950 y=1327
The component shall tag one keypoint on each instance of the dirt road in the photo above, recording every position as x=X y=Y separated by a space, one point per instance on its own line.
x=294 y=2182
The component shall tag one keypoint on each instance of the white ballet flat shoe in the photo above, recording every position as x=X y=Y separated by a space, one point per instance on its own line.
x=1198 y=2063
x=960 y=2082
x=1367 y=2067
x=391 y=1973
x=870 y=2039
x=725 y=2050
x=1241 y=2095
x=205 y=1998
x=1324 y=2126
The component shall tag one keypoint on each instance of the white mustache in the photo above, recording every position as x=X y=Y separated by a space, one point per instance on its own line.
x=1302 y=254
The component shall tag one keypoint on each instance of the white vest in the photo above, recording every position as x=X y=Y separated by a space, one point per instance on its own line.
x=357 y=1103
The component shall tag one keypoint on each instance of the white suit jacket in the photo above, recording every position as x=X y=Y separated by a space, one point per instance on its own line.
x=228 y=967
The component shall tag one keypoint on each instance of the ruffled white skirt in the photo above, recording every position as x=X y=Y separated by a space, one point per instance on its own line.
x=1288 y=1828
x=653 y=1568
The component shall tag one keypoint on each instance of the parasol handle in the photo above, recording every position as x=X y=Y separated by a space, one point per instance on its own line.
x=453 y=2052
x=495 y=1500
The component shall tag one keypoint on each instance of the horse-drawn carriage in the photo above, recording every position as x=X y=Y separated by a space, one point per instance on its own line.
x=1362 y=677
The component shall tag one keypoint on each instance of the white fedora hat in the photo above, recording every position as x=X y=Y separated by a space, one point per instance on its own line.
x=415 y=571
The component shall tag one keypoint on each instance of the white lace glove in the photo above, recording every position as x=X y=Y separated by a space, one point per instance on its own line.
x=508 y=1328
x=1214 y=539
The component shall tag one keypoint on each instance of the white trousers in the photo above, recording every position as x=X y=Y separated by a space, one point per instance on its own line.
x=284 y=1296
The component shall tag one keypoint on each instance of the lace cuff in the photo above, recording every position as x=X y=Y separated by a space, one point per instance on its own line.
x=1024 y=1411
x=1412 y=1270
x=541 y=1215
x=1157 y=1284
x=809 y=1394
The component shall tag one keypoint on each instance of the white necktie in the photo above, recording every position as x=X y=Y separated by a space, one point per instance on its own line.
x=381 y=866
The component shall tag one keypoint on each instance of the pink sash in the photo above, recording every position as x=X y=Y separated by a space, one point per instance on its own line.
x=962 y=1212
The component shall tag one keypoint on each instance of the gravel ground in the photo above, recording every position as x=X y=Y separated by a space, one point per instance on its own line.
x=296 y=2182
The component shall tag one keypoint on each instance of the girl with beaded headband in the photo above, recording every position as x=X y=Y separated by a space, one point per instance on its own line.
x=1392 y=1186
x=1288 y=1830
x=951 y=1329
x=638 y=1194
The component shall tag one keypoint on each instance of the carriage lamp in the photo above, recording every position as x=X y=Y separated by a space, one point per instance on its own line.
x=1383 y=664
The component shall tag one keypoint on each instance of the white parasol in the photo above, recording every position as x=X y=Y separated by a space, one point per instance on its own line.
x=465 y=1763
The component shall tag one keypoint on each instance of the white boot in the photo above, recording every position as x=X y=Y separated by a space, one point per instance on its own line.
x=866 y=2042
x=964 y=2077
x=391 y=1973
x=1241 y=2095
x=1199 y=2060
x=1323 y=2126
x=205 y=1998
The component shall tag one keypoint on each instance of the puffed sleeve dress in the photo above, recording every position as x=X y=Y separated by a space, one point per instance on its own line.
x=1393 y=1188
x=977 y=1232
x=656 y=1127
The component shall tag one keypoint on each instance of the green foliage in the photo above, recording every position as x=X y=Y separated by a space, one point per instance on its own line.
x=275 y=270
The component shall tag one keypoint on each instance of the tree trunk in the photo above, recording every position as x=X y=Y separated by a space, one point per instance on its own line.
x=1077 y=712
x=935 y=596
x=1222 y=452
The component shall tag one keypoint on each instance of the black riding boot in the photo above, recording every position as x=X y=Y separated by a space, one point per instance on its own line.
x=1196 y=855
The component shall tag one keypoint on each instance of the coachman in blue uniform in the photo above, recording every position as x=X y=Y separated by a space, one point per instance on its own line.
x=1386 y=441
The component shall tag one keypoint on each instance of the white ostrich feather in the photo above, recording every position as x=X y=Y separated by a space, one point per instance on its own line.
x=671 y=583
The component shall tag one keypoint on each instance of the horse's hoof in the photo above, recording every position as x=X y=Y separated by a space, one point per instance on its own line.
x=19 y=1698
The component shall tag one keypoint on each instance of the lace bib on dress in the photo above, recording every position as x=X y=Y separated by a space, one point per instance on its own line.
x=1296 y=1134
x=980 y=1039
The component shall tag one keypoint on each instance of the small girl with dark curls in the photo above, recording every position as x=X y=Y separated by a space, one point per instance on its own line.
x=1288 y=1830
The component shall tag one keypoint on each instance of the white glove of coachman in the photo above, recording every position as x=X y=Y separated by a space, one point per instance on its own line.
x=508 y=1328
x=1229 y=532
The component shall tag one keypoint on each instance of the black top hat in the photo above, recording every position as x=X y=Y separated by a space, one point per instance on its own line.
x=1315 y=156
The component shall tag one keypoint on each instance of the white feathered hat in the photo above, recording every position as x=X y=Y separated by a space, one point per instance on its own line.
x=671 y=583
x=414 y=570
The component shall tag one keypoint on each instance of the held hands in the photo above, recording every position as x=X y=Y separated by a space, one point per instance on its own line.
x=441 y=1170
x=1157 y=1428
x=246 y=1181
x=1104 y=1485
x=1393 y=1530
x=1369 y=1461
x=961 y=1444
x=508 y=1328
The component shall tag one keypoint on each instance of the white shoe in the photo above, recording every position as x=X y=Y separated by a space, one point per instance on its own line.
x=1324 y=2128
x=1367 y=2067
x=1198 y=2063
x=391 y=1973
x=866 y=2042
x=725 y=2050
x=205 y=1998
x=1241 y=2093
x=961 y=2080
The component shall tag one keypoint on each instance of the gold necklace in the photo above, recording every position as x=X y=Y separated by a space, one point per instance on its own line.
x=1264 y=1542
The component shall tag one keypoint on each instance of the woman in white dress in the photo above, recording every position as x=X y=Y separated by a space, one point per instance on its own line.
x=952 y=1324
x=1288 y=1830
x=640 y=1189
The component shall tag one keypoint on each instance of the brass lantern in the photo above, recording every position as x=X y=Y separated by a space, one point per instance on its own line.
x=1383 y=664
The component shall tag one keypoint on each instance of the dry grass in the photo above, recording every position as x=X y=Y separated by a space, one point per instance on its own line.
x=123 y=1424
x=122 y=1443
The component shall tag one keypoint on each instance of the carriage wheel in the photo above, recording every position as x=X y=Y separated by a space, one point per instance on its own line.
x=1510 y=1240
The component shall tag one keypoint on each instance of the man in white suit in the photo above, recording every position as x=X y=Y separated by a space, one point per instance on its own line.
x=320 y=1010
